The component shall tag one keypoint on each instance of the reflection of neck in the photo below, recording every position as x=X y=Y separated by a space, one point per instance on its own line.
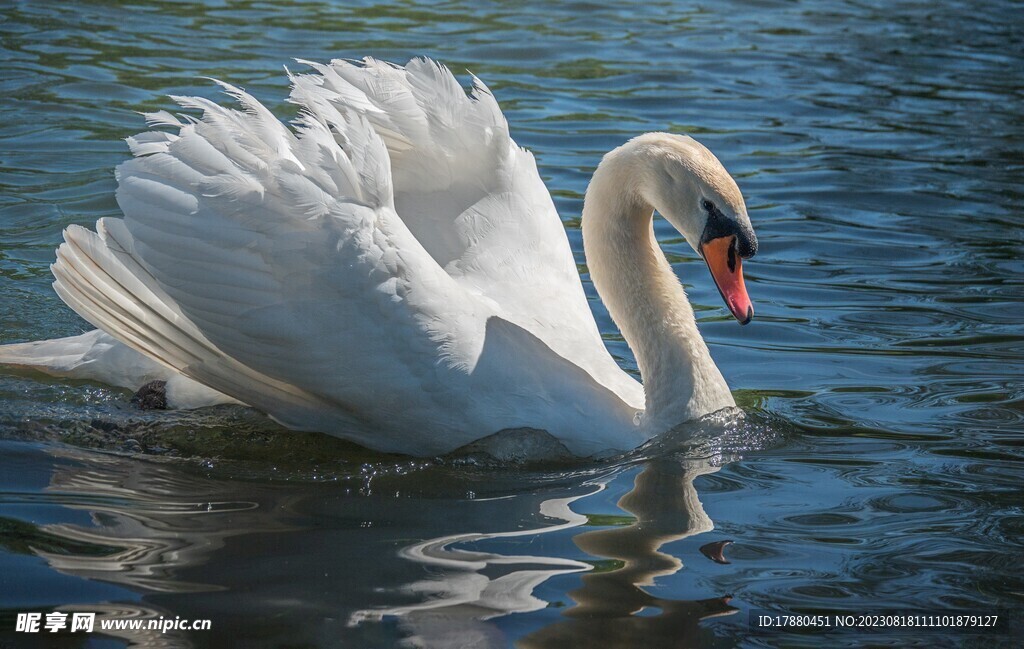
x=645 y=298
x=667 y=508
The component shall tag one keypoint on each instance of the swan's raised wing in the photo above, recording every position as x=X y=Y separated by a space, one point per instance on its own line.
x=473 y=199
x=270 y=264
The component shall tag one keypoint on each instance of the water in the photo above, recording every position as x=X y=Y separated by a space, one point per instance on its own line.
x=879 y=147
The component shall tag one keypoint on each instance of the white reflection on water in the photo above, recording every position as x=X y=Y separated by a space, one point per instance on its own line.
x=612 y=609
x=156 y=528
x=460 y=596
x=160 y=520
x=460 y=588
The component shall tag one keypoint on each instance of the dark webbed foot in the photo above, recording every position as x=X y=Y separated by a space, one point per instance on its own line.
x=152 y=396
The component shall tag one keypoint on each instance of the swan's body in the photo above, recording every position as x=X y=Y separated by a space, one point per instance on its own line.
x=393 y=271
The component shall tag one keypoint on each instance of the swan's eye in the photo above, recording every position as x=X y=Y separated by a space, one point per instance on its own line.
x=708 y=206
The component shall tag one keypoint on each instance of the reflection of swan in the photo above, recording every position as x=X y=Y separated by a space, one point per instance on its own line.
x=393 y=269
x=293 y=557
x=151 y=528
x=159 y=522
x=303 y=559
x=463 y=593
x=667 y=508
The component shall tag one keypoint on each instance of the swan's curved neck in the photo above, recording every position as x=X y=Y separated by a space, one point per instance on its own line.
x=645 y=298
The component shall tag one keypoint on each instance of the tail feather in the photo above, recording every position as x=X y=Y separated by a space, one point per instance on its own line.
x=58 y=357
x=98 y=356
x=107 y=293
x=98 y=275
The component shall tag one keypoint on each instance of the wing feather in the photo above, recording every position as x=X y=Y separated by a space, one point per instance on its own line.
x=473 y=198
x=346 y=271
x=273 y=281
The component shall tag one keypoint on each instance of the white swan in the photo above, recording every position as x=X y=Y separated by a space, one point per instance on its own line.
x=392 y=270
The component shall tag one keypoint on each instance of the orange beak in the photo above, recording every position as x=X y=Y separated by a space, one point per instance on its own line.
x=726 y=267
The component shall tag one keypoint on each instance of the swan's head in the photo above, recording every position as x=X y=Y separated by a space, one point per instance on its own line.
x=690 y=188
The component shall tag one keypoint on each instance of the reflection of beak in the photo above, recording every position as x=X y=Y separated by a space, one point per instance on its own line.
x=726 y=267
